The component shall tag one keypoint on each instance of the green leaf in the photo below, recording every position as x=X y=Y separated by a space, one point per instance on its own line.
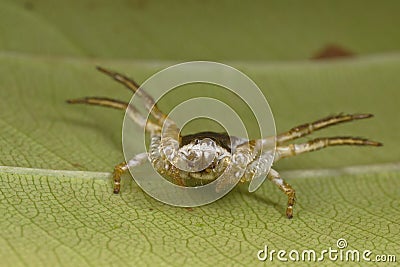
x=56 y=201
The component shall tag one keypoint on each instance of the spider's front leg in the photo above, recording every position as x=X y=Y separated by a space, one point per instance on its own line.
x=134 y=114
x=320 y=143
x=308 y=128
x=149 y=102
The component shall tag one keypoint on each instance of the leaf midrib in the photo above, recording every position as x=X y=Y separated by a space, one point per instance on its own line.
x=291 y=174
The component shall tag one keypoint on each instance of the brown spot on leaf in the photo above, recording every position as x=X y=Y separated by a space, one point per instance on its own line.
x=77 y=165
x=332 y=51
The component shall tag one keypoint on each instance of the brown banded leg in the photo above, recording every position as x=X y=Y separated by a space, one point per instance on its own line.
x=274 y=177
x=149 y=102
x=171 y=132
x=133 y=113
x=308 y=128
x=118 y=171
x=123 y=167
x=319 y=143
x=100 y=101
x=237 y=167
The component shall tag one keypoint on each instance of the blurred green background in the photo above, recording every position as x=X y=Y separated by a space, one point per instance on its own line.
x=48 y=51
x=208 y=30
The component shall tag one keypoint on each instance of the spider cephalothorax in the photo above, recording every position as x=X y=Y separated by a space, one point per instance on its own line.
x=197 y=162
x=200 y=158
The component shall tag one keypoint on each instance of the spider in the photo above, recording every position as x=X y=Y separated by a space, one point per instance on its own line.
x=200 y=158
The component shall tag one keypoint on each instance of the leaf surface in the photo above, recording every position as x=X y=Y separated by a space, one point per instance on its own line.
x=55 y=194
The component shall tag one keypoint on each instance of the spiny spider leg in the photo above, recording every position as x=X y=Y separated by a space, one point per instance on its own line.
x=100 y=101
x=308 y=128
x=244 y=155
x=259 y=166
x=149 y=104
x=113 y=103
x=274 y=177
x=171 y=132
x=319 y=143
x=124 y=166
x=136 y=116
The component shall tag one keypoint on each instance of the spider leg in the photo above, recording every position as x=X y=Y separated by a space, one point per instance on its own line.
x=274 y=177
x=308 y=128
x=133 y=113
x=258 y=167
x=170 y=133
x=238 y=167
x=319 y=143
x=261 y=167
x=124 y=166
x=100 y=101
x=149 y=104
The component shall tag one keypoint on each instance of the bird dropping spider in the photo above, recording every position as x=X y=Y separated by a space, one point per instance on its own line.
x=186 y=152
